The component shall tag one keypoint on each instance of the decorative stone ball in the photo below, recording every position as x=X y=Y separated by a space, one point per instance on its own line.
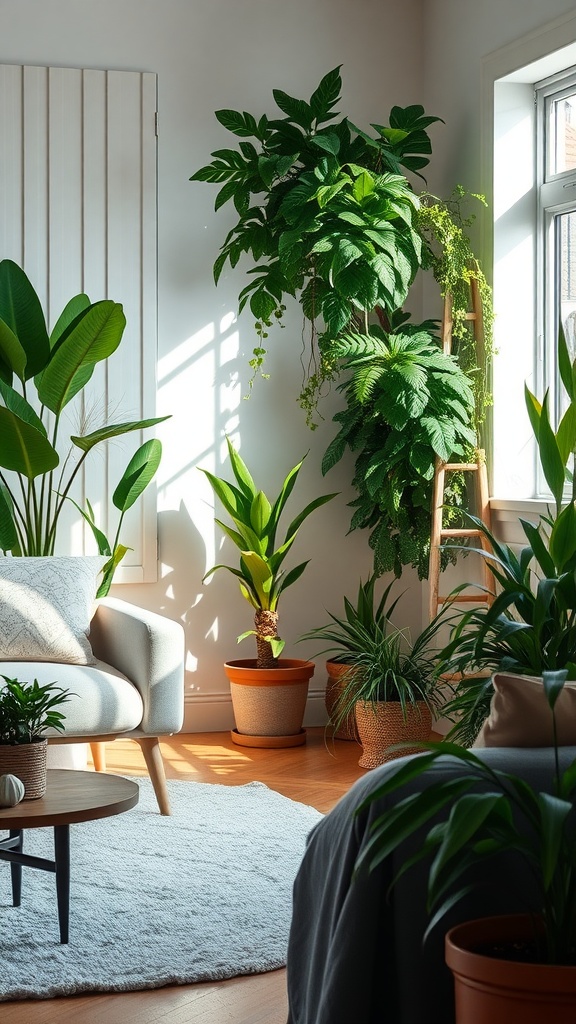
x=11 y=790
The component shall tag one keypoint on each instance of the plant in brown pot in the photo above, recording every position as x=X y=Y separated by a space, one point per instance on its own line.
x=348 y=637
x=26 y=711
x=389 y=687
x=268 y=693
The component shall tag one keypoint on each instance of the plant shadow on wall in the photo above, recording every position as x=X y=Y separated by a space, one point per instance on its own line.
x=328 y=215
x=35 y=481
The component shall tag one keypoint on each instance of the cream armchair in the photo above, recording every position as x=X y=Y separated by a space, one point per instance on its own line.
x=135 y=690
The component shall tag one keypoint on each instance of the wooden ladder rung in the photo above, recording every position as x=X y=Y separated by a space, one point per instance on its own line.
x=466 y=599
x=463 y=467
x=460 y=533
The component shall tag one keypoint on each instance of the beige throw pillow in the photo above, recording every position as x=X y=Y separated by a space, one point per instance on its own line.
x=520 y=715
x=46 y=605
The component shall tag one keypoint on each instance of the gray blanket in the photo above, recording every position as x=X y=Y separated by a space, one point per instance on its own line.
x=355 y=952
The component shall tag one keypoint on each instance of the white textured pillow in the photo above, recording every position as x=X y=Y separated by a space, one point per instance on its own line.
x=46 y=605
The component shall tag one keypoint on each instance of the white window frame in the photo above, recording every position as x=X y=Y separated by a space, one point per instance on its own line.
x=510 y=182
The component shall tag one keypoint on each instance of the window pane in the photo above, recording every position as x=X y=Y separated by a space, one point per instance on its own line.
x=566 y=278
x=564 y=134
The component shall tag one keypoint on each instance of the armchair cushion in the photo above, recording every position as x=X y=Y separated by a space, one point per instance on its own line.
x=46 y=605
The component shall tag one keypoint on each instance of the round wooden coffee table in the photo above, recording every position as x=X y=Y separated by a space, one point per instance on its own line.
x=70 y=797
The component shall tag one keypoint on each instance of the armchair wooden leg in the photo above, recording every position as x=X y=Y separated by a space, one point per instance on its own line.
x=150 y=747
x=98 y=751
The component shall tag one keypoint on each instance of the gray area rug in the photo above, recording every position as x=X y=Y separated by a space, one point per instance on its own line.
x=202 y=895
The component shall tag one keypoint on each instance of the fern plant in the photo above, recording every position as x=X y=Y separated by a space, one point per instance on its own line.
x=406 y=403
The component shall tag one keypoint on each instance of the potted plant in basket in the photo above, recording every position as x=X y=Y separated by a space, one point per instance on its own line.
x=268 y=694
x=26 y=711
x=384 y=683
x=37 y=470
x=530 y=627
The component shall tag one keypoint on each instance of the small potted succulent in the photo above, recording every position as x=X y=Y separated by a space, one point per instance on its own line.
x=26 y=711
x=268 y=693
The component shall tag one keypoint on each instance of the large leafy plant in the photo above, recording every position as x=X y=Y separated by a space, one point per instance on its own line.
x=40 y=374
x=255 y=524
x=28 y=709
x=530 y=627
x=505 y=814
x=406 y=404
x=325 y=212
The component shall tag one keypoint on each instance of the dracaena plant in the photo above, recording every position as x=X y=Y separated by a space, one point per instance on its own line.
x=40 y=373
x=255 y=524
x=530 y=627
x=406 y=404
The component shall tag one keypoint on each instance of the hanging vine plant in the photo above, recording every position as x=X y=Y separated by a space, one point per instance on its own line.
x=328 y=216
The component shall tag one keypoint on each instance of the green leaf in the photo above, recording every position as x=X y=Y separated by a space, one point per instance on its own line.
x=260 y=576
x=562 y=543
x=21 y=311
x=326 y=95
x=87 y=441
x=241 y=472
x=8 y=535
x=109 y=568
x=260 y=513
x=23 y=447
x=550 y=457
x=565 y=364
x=262 y=304
x=138 y=474
x=243 y=125
x=71 y=311
x=95 y=335
x=297 y=110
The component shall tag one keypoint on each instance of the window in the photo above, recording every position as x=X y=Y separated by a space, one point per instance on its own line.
x=556 y=225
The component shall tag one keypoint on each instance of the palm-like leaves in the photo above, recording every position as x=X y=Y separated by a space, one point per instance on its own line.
x=255 y=524
x=59 y=366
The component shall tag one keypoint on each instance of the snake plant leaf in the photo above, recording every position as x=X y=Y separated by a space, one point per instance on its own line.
x=138 y=474
x=550 y=457
x=94 y=336
x=8 y=535
x=565 y=366
x=260 y=513
x=87 y=441
x=21 y=313
x=566 y=433
x=534 y=408
x=24 y=448
x=562 y=542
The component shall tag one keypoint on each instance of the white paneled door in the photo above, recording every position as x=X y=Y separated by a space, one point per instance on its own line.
x=78 y=212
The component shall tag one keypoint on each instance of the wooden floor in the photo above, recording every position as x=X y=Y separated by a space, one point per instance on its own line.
x=315 y=774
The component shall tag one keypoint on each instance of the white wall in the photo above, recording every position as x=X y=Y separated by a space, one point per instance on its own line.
x=210 y=54
x=216 y=53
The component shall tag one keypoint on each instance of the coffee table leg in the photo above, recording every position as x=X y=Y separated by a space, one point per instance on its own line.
x=16 y=869
x=62 y=861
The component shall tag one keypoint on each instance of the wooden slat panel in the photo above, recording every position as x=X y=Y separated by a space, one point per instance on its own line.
x=79 y=213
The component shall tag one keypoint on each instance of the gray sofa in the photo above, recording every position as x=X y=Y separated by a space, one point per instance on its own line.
x=355 y=951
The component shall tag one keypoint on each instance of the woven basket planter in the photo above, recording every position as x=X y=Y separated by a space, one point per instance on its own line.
x=27 y=761
x=269 y=703
x=380 y=725
x=338 y=675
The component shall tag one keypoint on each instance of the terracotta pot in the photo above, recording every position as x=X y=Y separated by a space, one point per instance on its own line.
x=27 y=761
x=337 y=673
x=492 y=991
x=381 y=724
x=269 y=703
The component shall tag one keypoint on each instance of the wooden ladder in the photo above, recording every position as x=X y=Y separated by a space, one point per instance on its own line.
x=439 y=533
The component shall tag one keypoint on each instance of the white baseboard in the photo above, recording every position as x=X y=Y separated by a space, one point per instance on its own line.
x=213 y=712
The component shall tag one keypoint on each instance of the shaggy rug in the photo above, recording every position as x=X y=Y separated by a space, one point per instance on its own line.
x=202 y=895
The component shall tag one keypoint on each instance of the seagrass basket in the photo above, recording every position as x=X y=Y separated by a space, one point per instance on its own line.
x=381 y=724
x=338 y=675
x=27 y=761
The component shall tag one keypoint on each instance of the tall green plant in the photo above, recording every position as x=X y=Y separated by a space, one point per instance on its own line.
x=40 y=373
x=255 y=524
x=406 y=404
x=530 y=627
x=325 y=212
